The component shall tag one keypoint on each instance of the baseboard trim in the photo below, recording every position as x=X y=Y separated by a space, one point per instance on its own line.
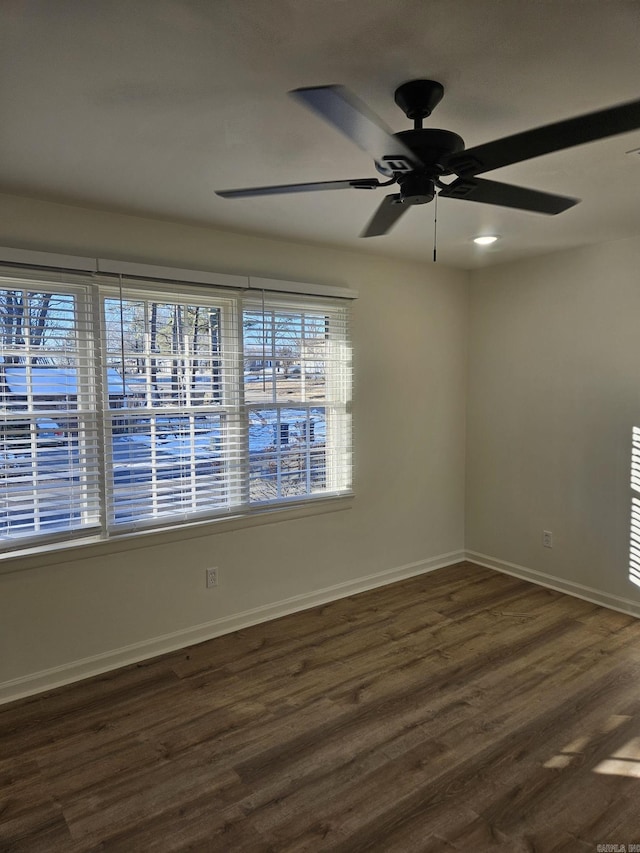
x=78 y=670
x=587 y=593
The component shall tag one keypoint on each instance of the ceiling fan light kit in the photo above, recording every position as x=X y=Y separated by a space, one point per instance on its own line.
x=418 y=160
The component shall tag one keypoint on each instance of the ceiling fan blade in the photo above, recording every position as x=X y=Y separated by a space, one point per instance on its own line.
x=546 y=139
x=389 y=211
x=507 y=195
x=351 y=116
x=354 y=184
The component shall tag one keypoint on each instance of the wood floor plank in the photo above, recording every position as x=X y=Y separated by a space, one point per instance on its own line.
x=31 y=822
x=458 y=710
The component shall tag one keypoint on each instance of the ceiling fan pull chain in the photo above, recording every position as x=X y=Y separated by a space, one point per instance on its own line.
x=435 y=229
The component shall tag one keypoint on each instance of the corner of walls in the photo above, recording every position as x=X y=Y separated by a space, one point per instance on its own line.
x=552 y=403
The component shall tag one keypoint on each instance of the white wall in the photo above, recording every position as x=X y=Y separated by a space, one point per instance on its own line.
x=554 y=393
x=410 y=333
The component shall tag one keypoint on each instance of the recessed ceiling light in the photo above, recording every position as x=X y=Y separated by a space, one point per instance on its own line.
x=485 y=240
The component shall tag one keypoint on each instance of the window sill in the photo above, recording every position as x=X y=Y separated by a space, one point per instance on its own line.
x=83 y=549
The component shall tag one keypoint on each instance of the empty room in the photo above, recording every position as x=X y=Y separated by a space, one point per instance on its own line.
x=319 y=426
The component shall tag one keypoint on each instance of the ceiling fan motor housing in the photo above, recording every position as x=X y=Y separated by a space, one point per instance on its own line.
x=431 y=146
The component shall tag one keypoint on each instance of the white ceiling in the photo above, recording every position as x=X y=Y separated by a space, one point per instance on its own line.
x=148 y=106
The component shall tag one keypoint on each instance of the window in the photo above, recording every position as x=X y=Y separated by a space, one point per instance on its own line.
x=130 y=405
x=296 y=389
x=172 y=414
x=49 y=422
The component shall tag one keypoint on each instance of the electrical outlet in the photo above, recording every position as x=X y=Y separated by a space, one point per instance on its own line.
x=547 y=538
x=212 y=577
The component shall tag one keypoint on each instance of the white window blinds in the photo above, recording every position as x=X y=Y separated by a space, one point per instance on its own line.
x=131 y=405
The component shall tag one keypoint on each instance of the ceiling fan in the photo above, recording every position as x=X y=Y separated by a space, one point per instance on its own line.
x=417 y=160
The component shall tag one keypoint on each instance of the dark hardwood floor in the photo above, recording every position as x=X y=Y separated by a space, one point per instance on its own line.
x=460 y=710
